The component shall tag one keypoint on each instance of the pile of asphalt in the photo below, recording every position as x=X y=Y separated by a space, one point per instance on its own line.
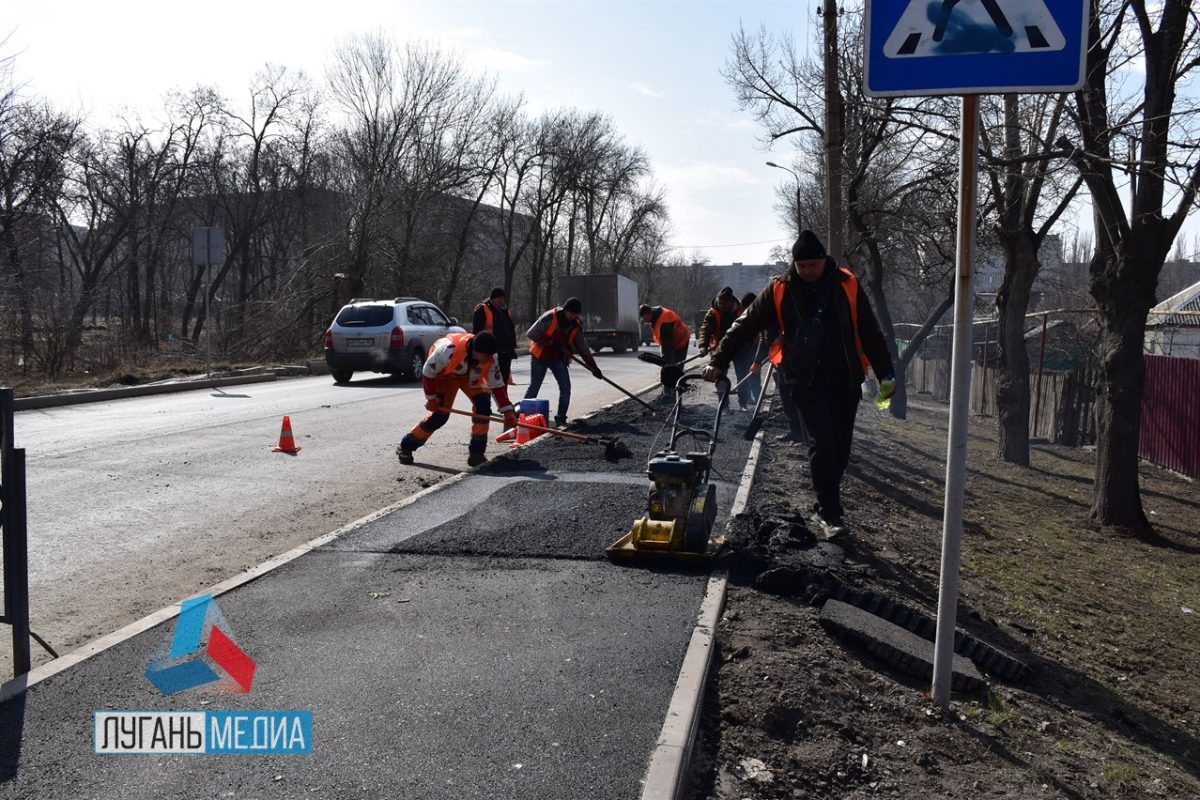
x=640 y=430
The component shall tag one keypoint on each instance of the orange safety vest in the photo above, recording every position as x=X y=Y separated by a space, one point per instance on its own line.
x=551 y=329
x=715 y=338
x=458 y=354
x=850 y=287
x=682 y=334
x=489 y=317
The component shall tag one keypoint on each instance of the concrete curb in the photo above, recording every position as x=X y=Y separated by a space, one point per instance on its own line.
x=672 y=754
x=96 y=395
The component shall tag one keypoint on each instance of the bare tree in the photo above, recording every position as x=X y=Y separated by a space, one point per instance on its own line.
x=1023 y=179
x=1131 y=245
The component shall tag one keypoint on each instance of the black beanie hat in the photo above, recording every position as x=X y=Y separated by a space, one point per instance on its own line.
x=486 y=343
x=497 y=292
x=643 y=310
x=726 y=293
x=807 y=247
x=573 y=304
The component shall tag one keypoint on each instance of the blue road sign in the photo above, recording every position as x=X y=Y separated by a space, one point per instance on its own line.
x=926 y=47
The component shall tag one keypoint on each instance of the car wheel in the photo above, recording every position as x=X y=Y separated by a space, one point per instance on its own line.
x=416 y=361
x=342 y=375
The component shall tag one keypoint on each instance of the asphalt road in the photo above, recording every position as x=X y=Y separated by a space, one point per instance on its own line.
x=136 y=503
x=472 y=644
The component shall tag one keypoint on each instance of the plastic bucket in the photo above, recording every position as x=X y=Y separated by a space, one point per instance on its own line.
x=536 y=405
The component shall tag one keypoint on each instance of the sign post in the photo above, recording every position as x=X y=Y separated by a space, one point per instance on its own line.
x=968 y=47
x=208 y=248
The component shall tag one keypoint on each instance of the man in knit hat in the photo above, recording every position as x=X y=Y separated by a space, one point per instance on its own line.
x=828 y=339
x=555 y=336
x=492 y=315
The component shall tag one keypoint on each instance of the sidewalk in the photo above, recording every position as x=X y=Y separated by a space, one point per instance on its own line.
x=473 y=643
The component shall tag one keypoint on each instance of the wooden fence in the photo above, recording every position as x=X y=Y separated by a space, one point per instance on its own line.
x=1060 y=404
x=1062 y=407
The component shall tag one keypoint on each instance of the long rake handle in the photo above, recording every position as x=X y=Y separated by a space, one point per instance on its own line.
x=630 y=394
x=564 y=434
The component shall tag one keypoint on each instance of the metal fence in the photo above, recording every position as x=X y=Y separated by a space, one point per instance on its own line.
x=1170 y=431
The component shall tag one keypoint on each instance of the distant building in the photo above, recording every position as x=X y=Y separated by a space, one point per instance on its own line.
x=1170 y=333
x=744 y=278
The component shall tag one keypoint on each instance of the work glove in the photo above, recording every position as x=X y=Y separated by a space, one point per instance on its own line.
x=433 y=402
x=596 y=372
x=756 y=368
x=510 y=420
x=887 y=386
x=591 y=365
x=704 y=350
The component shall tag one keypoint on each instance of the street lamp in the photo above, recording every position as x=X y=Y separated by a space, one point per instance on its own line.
x=799 y=224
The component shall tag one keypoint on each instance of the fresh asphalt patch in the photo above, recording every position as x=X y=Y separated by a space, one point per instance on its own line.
x=471 y=644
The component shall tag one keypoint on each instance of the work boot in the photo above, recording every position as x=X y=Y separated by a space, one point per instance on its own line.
x=560 y=422
x=831 y=528
x=405 y=456
x=791 y=437
x=475 y=459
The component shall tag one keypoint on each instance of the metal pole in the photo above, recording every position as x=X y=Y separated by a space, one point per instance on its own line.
x=833 y=133
x=983 y=404
x=15 y=538
x=960 y=399
x=207 y=303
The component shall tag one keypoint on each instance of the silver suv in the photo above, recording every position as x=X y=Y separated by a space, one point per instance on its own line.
x=389 y=336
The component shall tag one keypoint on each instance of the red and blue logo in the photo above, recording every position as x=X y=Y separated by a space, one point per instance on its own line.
x=201 y=651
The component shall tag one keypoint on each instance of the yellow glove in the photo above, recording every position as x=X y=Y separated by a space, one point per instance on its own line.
x=887 y=387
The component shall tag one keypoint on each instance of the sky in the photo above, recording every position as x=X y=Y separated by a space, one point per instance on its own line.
x=653 y=66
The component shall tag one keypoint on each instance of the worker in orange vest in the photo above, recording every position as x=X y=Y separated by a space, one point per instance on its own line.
x=493 y=316
x=555 y=336
x=725 y=309
x=828 y=339
x=670 y=332
x=460 y=362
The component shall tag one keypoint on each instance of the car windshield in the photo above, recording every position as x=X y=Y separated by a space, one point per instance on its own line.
x=364 y=316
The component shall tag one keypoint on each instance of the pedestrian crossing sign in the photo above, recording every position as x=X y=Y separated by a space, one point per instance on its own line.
x=928 y=47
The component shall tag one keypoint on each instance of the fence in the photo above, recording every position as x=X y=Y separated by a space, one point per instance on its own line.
x=1170 y=431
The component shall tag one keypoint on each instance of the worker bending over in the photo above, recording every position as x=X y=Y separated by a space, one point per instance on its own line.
x=466 y=362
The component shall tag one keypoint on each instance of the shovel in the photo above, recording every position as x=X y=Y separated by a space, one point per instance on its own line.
x=582 y=363
x=755 y=420
x=613 y=447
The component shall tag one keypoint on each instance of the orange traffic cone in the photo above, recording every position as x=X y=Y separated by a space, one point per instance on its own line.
x=523 y=433
x=540 y=421
x=287 y=444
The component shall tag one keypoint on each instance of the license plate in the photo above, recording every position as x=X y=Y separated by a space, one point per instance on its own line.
x=360 y=342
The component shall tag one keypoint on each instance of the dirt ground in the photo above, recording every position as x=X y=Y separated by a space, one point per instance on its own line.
x=1110 y=708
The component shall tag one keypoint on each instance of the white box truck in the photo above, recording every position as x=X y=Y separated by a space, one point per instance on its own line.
x=610 y=306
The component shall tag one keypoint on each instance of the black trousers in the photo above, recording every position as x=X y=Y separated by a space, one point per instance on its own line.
x=828 y=407
x=505 y=363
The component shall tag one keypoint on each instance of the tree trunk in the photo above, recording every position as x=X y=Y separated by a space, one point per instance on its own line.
x=1117 y=497
x=1012 y=363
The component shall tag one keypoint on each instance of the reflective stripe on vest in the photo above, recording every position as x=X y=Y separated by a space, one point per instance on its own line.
x=458 y=353
x=850 y=287
x=551 y=329
x=682 y=334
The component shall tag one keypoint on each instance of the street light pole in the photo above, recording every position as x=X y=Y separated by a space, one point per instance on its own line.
x=799 y=222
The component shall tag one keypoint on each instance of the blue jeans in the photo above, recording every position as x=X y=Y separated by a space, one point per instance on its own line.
x=537 y=374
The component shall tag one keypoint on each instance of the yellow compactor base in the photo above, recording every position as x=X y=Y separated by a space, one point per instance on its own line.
x=662 y=540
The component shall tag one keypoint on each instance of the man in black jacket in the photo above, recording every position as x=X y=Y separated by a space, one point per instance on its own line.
x=492 y=315
x=829 y=337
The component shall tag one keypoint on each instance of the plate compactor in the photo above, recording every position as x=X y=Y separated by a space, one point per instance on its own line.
x=682 y=505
